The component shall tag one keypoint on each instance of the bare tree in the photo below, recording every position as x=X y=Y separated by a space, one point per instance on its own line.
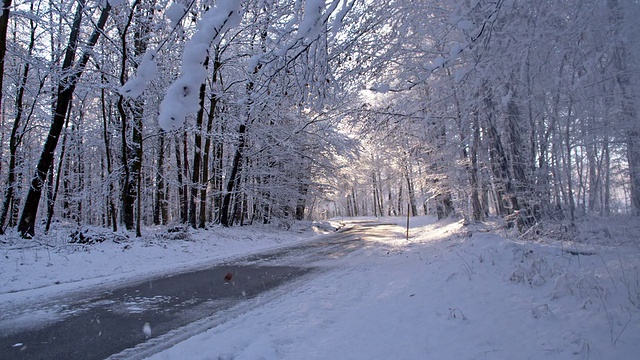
x=66 y=87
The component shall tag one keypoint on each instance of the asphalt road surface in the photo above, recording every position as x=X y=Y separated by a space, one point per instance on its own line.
x=99 y=325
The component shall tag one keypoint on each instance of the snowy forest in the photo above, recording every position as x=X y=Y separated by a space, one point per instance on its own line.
x=123 y=114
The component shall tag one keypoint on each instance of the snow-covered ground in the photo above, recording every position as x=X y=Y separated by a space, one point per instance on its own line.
x=450 y=292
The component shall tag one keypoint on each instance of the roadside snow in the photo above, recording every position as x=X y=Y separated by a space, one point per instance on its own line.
x=48 y=266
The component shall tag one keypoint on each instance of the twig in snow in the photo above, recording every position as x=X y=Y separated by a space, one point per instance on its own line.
x=468 y=270
x=453 y=313
x=621 y=331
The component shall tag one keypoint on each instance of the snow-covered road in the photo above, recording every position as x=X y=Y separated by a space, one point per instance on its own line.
x=105 y=320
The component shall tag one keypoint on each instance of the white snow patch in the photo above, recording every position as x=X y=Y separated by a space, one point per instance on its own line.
x=145 y=72
x=466 y=25
x=146 y=329
x=455 y=50
x=174 y=13
x=311 y=24
x=459 y=74
x=339 y=17
x=381 y=88
x=436 y=63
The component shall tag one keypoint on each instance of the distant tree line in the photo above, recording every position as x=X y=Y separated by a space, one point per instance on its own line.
x=527 y=110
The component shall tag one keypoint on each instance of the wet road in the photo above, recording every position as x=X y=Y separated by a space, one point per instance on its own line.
x=97 y=326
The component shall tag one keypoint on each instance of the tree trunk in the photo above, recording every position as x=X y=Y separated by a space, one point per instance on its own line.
x=594 y=170
x=518 y=163
x=139 y=197
x=218 y=162
x=143 y=29
x=476 y=206
x=225 y=213
x=399 y=204
x=355 y=203
x=205 y=160
x=196 y=180
x=380 y=203
x=80 y=170
x=213 y=103
x=499 y=165
x=4 y=24
x=411 y=193
x=111 y=207
x=53 y=189
x=302 y=201
x=375 y=195
x=128 y=182
x=51 y=196
x=131 y=112
x=160 y=210
x=568 y=163
x=182 y=186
